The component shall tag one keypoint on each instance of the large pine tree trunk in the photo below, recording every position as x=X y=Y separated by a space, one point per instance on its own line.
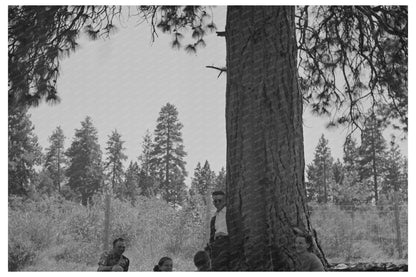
x=265 y=159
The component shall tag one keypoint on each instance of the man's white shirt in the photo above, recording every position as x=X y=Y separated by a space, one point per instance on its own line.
x=220 y=222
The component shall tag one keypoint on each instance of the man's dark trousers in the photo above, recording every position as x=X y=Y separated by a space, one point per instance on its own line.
x=220 y=254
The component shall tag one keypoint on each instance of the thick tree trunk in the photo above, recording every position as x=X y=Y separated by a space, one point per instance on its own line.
x=265 y=159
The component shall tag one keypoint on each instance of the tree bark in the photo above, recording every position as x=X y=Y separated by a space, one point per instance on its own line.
x=265 y=160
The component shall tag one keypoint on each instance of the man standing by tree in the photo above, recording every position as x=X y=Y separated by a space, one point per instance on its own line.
x=114 y=260
x=219 y=241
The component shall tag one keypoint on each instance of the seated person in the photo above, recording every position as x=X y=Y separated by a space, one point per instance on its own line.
x=308 y=260
x=114 y=260
x=165 y=264
x=202 y=261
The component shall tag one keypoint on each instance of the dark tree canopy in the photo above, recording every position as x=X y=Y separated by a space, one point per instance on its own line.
x=24 y=152
x=85 y=171
x=39 y=37
x=351 y=58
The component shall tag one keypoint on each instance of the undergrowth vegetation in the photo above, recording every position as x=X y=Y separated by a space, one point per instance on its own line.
x=53 y=234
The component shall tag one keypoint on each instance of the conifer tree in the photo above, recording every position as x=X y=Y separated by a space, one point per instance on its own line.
x=197 y=176
x=394 y=171
x=351 y=155
x=114 y=162
x=319 y=172
x=405 y=179
x=220 y=180
x=131 y=188
x=338 y=171
x=203 y=180
x=168 y=154
x=351 y=192
x=24 y=152
x=195 y=198
x=148 y=181
x=202 y=185
x=85 y=170
x=372 y=153
x=55 y=161
x=44 y=184
x=393 y=186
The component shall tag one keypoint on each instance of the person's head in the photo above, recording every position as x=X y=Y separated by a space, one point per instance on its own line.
x=165 y=264
x=218 y=198
x=119 y=246
x=202 y=260
x=117 y=268
x=303 y=243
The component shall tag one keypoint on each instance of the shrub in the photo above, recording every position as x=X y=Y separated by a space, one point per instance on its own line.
x=360 y=235
x=21 y=253
x=30 y=231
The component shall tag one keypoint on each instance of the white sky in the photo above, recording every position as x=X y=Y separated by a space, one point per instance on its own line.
x=122 y=83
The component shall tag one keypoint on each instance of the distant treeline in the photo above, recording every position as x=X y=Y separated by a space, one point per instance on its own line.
x=80 y=171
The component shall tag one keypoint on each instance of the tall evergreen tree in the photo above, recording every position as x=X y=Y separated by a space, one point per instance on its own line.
x=405 y=179
x=372 y=152
x=24 y=152
x=351 y=155
x=195 y=203
x=393 y=187
x=338 y=171
x=197 y=175
x=85 y=170
x=203 y=180
x=202 y=185
x=44 y=184
x=195 y=198
x=114 y=162
x=220 y=180
x=394 y=172
x=148 y=180
x=320 y=174
x=55 y=161
x=168 y=153
x=131 y=188
x=351 y=192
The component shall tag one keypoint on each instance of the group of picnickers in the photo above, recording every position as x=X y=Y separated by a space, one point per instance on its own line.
x=216 y=256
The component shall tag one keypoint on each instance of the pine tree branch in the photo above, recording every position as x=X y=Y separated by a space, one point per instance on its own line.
x=221 y=69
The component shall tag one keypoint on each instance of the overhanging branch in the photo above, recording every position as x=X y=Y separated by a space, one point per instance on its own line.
x=221 y=69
